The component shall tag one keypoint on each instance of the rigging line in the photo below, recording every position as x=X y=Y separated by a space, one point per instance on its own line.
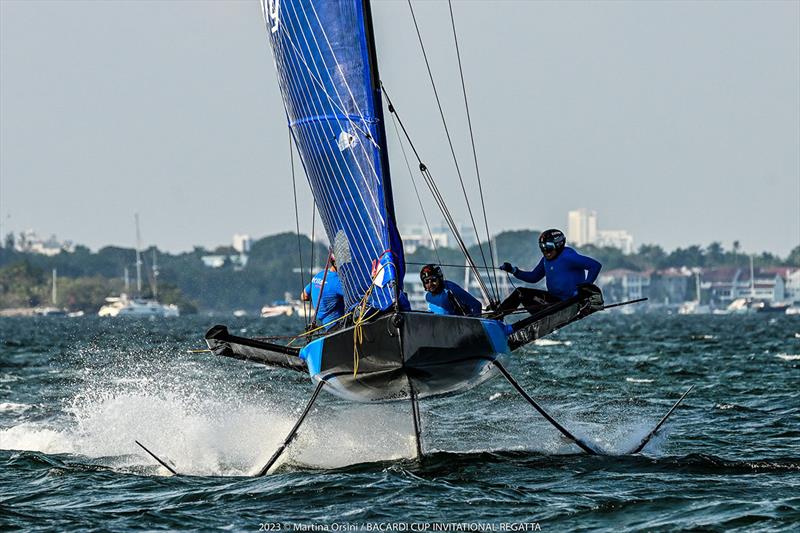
x=293 y=100
x=316 y=80
x=365 y=180
x=472 y=141
x=298 y=55
x=339 y=68
x=429 y=181
x=451 y=223
x=326 y=158
x=283 y=85
x=365 y=132
x=416 y=190
x=313 y=249
x=297 y=222
x=450 y=142
x=288 y=61
x=449 y=265
x=358 y=250
x=286 y=88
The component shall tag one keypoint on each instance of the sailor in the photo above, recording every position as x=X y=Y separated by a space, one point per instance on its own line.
x=565 y=271
x=445 y=297
x=331 y=305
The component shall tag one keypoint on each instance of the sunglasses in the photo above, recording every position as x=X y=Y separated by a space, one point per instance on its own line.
x=547 y=246
x=428 y=279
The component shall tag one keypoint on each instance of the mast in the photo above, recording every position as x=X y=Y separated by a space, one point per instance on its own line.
x=155 y=276
x=752 y=279
x=138 y=258
x=697 y=284
x=55 y=290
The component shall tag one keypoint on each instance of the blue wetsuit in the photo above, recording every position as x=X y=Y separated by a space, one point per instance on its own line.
x=332 y=305
x=442 y=303
x=564 y=273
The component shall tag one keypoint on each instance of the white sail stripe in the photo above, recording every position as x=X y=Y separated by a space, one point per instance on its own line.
x=321 y=157
x=362 y=145
x=377 y=230
x=293 y=102
x=336 y=60
x=328 y=214
x=338 y=107
x=332 y=172
x=346 y=83
x=325 y=183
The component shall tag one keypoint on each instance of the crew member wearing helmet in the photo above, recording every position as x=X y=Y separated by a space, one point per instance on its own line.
x=445 y=297
x=564 y=270
x=326 y=283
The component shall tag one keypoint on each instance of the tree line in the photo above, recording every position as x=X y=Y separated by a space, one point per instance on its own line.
x=86 y=278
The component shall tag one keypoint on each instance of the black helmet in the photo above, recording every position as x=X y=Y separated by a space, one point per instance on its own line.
x=552 y=239
x=431 y=271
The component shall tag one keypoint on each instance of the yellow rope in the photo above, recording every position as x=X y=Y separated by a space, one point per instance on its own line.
x=309 y=332
x=358 y=322
x=358 y=334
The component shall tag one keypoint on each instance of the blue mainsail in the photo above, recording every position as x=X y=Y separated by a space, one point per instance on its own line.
x=324 y=56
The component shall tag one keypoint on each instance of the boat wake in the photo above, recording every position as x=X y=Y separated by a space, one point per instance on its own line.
x=206 y=436
x=203 y=435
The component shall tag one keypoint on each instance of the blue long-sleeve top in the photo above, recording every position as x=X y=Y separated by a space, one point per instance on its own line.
x=442 y=303
x=331 y=308
x=564 y=273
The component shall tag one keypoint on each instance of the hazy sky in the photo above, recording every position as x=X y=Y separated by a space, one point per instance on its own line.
x=678 y=121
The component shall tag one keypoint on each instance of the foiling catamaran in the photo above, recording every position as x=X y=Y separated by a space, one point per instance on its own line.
x=328 y=74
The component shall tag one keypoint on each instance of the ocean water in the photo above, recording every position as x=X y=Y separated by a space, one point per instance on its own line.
x=76 y=393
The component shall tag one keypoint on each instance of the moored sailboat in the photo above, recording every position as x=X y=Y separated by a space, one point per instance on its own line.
x=138 y=307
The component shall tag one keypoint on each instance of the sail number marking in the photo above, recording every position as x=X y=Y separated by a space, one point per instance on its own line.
x=272 y=11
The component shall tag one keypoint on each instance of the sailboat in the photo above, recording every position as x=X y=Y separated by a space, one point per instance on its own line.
x=53 y=309
x=327 y=68
x=138 y=307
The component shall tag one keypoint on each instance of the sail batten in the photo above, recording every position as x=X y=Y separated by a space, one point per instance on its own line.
x=326 y=72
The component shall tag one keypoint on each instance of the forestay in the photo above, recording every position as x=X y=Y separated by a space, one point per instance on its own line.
x=327 y=72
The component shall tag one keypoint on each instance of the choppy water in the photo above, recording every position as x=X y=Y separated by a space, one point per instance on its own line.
x=75 y=393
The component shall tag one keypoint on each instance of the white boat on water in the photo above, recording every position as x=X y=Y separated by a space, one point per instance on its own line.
x=286 y=308
x=123 y=305
x=54 y=310
x=749 y=305
x=50 y=311
x=694 y=308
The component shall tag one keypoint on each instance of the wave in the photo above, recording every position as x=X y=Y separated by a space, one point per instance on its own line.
x=215 y=437
x=12 y=407
x=551 y=342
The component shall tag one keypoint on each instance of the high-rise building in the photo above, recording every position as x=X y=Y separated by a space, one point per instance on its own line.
x=581 y=227
x=242 y=243
x=615 y=238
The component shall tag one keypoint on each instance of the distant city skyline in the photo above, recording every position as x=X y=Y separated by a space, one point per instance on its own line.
x=413 y=235
x=677 y=121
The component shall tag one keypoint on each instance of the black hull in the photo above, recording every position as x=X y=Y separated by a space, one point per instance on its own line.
x=434 y=354
x=397 y=355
